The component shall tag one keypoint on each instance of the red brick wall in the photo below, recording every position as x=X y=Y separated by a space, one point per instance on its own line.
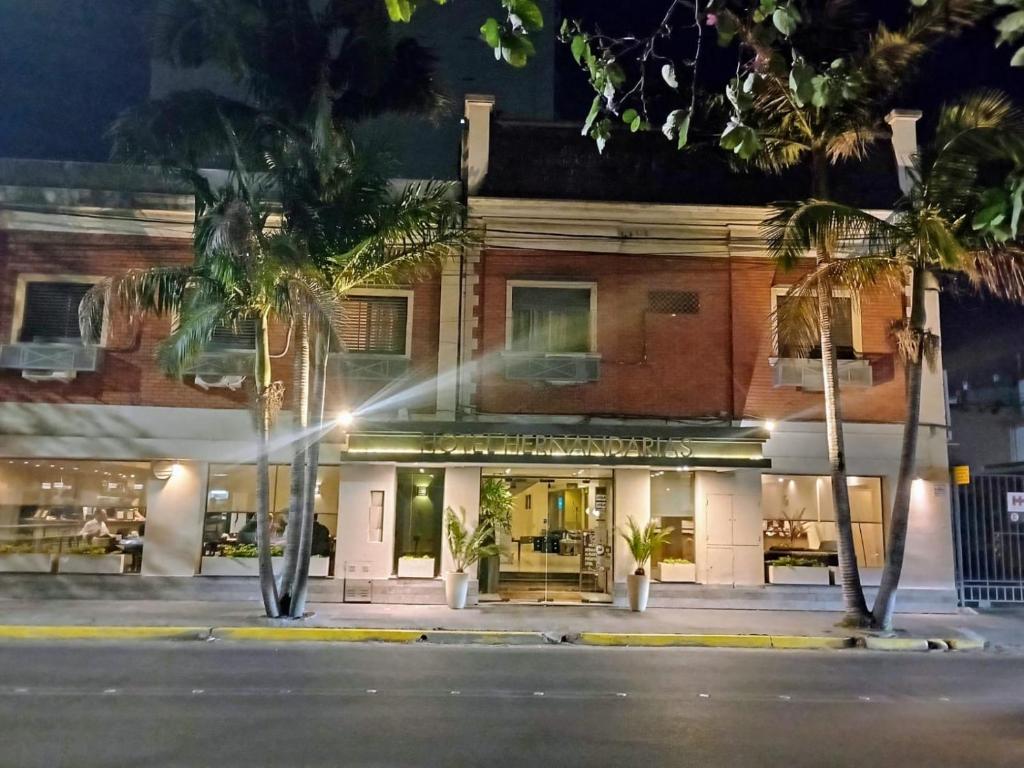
x=129 y=374
x=686 y=367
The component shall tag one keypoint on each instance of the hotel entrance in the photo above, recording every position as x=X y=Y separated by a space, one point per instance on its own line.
x=558 y=547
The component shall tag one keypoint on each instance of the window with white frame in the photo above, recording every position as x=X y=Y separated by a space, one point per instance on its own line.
x=49 y=310
x=376 y=323
x=792 y=339
x=551 y=318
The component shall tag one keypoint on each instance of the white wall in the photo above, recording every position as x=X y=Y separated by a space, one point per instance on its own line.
x=174 y=521
x=462 y=494
x=928 y=560
x=632 y=490
x=357 y=481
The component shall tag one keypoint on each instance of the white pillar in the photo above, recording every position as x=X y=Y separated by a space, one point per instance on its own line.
x=632 y=499
x=462 y=495
x=903 y=123
x=477 y=144
x=448 y=339
x=174 y=521
x=356 y=540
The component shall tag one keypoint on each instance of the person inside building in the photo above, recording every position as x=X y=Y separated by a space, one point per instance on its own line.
x=95 y=527
x=321 y=538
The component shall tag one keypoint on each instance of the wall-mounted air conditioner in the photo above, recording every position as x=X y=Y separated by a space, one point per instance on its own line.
x=233 y=383
x=62 y=376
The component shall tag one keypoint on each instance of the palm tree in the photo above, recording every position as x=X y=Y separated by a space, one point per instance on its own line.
x=304 y=69
x=943 y=223
x=818 y=100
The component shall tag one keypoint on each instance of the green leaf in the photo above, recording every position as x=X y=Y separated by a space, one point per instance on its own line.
x=995 y=206
x=1017 y=205
x=399 y=10
x=491 y=32
x=629 y=116
x=529 y=14
x=786 y=20
x=516 y=49
x=1018 y=58
x=578 y=46
x=684 y=132
x=919 y=3
x=727 y=27
x=595 y=110
x=801 y=82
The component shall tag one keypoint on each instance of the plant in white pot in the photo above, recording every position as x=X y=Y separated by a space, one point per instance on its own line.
x=467 y=547
x=641 y=541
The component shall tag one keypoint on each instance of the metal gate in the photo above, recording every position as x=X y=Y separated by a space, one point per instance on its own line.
x=989 y=537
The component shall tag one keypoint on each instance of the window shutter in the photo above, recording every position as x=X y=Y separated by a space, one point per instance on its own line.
x=51 y=312
x=375 y=324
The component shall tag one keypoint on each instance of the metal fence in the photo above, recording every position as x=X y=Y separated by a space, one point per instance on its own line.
x=988 y=526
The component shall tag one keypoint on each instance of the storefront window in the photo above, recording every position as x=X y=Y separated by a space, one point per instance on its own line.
x=73 y=516
x=799 y=518
x=672 y=505
x=229 y=528
x=418 y=519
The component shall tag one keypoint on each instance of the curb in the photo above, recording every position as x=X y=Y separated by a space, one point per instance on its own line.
x=88 y=632
x=483 y=637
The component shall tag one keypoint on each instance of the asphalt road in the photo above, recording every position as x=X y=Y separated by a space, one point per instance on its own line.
x=221 y=704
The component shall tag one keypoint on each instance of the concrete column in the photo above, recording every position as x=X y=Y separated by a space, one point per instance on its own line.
x=477 y=143
x=354 y=534
x=903 y=123
x=461 y=494
x=448 y=339
x=174 y=521
x=632 y=498
x=928 y=560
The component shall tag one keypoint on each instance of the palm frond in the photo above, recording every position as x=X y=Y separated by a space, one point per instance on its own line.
x=998 y=271
x=192 y=333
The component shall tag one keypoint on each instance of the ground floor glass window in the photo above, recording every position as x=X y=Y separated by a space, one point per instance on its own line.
x=419 y=517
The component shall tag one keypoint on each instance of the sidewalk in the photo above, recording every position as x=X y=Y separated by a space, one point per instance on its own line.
x=1003 y=630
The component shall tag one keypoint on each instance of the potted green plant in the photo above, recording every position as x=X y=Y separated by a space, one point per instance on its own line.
x=24 y=557
x=641 y=541
x=798 y=570
x=412 y=566
x=495 y=509
x=674 y=569
x=90 y=558
x=466 y=547
x=239 y=560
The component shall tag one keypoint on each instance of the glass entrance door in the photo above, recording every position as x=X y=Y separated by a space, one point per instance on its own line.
x=558 y=544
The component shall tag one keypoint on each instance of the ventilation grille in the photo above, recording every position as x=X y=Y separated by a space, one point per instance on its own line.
x=673 y=302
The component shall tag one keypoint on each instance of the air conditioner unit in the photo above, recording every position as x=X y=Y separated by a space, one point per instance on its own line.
x=233 y=383
x=36 y=375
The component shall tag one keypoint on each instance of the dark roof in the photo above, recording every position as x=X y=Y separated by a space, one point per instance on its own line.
x=553 y=161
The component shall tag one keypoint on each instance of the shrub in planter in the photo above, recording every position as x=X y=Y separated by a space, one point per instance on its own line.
x=675 y=569
x=466 y=547
x=416 y=567
x=24 y=557
x=90 y=558
x=641 y=541
x=798 y=570
x=239 y=560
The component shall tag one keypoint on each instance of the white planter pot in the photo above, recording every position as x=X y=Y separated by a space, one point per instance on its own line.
x=25 y=562
x=319 y=566
x=869 y=577
x=639 y=588
x=415 y=567
x=675 y=572
x=798 y=574
x=456 y=589
x=237 y=566
x=90 y=564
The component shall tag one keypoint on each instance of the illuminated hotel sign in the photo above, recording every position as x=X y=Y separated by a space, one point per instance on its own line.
x=725 y=450
x=557 y=446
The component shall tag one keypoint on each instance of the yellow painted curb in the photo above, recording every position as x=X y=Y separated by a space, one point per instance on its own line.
x=64 y=632
x=965 y=644
x=669 y=641
x=810 y=643
x=318 y=634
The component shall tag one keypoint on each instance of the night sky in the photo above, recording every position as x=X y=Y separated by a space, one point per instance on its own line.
x=68 y=67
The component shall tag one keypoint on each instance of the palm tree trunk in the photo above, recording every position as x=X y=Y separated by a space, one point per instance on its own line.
x=853 y=594
x=297 y=480
x=268 y=588
x=885 y=601
x=855 y=606
x=300 y=584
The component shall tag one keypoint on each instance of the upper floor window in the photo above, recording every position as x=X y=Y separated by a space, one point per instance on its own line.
x=376 y=323
x=794 y=339
x=50 y=311
x=551 y=318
